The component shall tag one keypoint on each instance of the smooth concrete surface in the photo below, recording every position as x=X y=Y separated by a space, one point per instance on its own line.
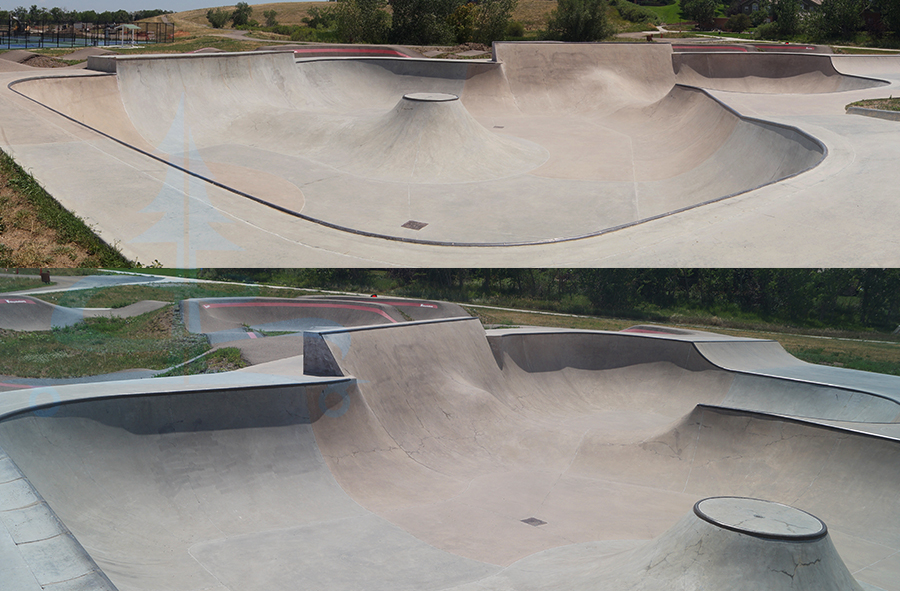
x=224 y=159
x=434 y=455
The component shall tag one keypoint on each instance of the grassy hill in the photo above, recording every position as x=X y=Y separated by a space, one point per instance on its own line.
x=532 y=13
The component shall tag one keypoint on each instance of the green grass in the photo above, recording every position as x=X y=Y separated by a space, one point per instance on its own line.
x=220 y=360
x=69 y=228
x=671 y=13
x=864 y=51
x=885 y=104
x=8 y=284
x=155 y=340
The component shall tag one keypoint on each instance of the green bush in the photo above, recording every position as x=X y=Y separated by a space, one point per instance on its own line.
x=768 y=31
x=363 y=21
x=242 y=13
x=218 y=17
x=515 y=29
x=491 y=19
x=321 y=18
x=271 y=18
x=635 y=13
x=738 y=23
x=580 y=20
x=700 y=11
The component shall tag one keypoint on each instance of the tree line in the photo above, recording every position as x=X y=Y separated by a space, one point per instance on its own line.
x=37 y=15
x=849 y=299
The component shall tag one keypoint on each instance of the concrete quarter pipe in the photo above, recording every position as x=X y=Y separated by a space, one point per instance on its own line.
x=545 y=144
x=432 y=455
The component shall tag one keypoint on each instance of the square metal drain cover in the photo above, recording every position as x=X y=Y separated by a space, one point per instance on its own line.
x=534 y=521
x=414 y=225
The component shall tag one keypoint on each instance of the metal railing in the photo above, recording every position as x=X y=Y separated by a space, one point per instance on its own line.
x=17 y=34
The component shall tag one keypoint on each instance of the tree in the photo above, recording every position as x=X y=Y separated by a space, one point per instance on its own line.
x=362 y=21
x=242 y=13
x=786 y=15
x=422 y=22
x=701 y=11
x=491 y=20
x=842 y=18
x=890 y=14
x=217 y=18
x=580 y=20
x=270 y=16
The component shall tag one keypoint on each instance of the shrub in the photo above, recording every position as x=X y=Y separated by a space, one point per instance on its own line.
x=363 y=21
x=270 y=16
x=321 y=18
x=635 y=13
x=701 y=11
x=242 y=13
x=491 y=19
x=767 y=31
x=579 y=20
x=515 y=29
x=422 y=22
x=218 y=17
x=738 y=23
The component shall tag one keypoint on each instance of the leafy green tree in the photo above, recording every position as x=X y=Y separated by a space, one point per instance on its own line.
x=491 y=19
x=324 y=18
x=422 y=22
x=270 y=16
x=701 y=11
x=738 y=23
x=462 y=21
x=242 y=13
x=890 y=14
x=218 y=17
x=363 y=21
x=842 y=18
x=786 y=15
x=580 y=20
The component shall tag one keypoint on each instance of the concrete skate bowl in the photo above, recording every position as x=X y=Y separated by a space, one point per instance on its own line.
x=435 y=456
x=548 y=142
x=768 y=73
x=228 y=319
x=28 y=313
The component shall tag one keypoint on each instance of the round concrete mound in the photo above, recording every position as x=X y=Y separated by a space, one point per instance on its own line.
x=762 y=519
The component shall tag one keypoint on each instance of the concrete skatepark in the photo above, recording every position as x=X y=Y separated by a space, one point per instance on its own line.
x=548 y=154
x=398 y=445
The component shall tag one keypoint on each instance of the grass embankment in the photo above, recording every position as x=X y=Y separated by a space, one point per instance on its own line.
x=841 y=349
x=8 y=284
x=123 y=295
x=884 y=104
x=155 y=340
x=220 y=360
x=36 y=231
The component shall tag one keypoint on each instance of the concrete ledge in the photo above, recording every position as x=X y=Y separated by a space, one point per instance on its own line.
x=877 y=113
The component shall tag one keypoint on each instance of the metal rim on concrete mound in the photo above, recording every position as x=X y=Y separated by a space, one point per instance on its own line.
x=761 y=519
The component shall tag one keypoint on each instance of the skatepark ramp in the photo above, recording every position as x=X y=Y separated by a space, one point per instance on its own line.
x=28 y=313
x=766 y=73
x=433 y=455
x=608 y=131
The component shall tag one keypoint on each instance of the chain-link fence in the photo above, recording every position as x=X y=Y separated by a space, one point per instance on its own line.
x=16 y=34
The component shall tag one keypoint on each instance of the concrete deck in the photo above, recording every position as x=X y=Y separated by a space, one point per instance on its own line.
x=432 y=455
x=554 y=154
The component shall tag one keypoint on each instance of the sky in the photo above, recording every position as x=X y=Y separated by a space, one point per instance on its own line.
x=128 y=5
